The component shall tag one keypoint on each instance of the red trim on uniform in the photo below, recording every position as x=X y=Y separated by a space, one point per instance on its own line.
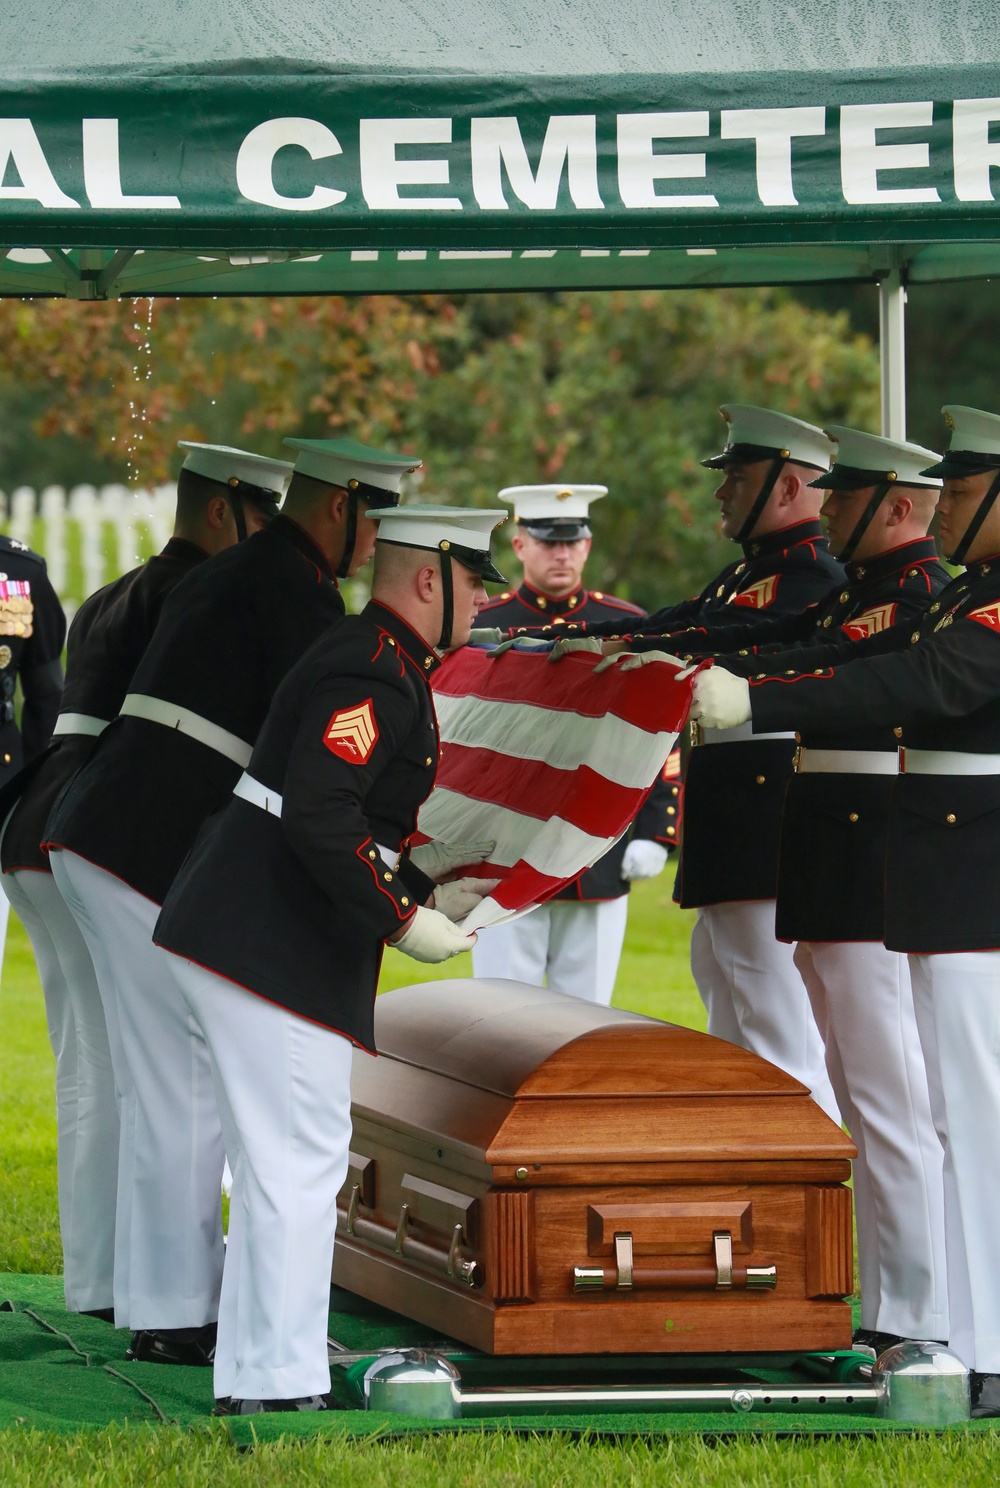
x=378 y=865
x=232 y=982
x=61 y=847
x=822 y=676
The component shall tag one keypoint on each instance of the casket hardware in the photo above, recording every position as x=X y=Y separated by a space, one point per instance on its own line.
x=352 y=1208
x=722 y=1242
x=623 y=1261
x=626 y=1276
x=401 y=1225
x=383 y=1237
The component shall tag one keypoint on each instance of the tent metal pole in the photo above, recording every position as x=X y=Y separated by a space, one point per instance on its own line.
x=892 y=349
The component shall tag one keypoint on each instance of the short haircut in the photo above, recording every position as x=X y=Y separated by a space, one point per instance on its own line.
x=194 y=492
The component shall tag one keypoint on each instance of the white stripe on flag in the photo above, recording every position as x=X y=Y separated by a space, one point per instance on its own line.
x=554 y=847
x=619 y=751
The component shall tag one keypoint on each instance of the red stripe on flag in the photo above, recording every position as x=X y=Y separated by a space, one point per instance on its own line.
x=594 y=804
x=523 y=885
x=564 y=687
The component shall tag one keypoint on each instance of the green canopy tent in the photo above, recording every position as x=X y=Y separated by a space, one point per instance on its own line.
x=198 y=148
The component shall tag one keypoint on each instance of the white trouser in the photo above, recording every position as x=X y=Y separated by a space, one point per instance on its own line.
x=569 y=947
x=754 y=994
x=861 y=998
x=86 y=1111
x=284 y=1092
x=4 y=917
x=957 y=1002
x=168 y=1227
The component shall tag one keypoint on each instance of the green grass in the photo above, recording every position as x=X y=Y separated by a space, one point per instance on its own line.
x=654 y=978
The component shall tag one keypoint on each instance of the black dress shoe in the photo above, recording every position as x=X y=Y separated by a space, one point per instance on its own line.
x=174 y=1345
x=985 y=1391
x=105 y=1314
x=302 y=1403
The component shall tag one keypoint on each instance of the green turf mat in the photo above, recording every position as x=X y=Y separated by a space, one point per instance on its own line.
x=60 y=1371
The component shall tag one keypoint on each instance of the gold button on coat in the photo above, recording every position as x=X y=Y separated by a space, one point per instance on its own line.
x=761 y=779
x=950 y=818
x=853 y=816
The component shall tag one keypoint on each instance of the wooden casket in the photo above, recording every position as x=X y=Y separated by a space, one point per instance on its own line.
x=533 y=1174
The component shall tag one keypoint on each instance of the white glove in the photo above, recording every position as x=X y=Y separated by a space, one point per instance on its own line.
x=643 y=859
x=485 y=635
x=721 y=700
x=566 y=644
x=430 y=936
x=520 y=643
x=437 y=859
x=630 y=660
x=462 y=896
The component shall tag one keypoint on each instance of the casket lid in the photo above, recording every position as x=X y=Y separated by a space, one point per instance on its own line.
x=526 y=1042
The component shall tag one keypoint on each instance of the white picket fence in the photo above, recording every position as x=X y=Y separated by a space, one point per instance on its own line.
x=88 y=535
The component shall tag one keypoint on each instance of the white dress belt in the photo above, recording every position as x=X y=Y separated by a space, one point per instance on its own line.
x=741 y=734
x=79 y=723
x=172 y=715
x=847 y=761
x=947 y=762
x=249 y=789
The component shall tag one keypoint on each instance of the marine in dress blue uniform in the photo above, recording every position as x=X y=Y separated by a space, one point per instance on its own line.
x=228 y=634
x=573 y=942
x=939 y=683
x=106 y=641
x=830 y=898
x=735 y=785
x=282 y=982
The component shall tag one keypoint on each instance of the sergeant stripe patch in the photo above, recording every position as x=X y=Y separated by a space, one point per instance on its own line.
x=352 y=733
x=989 y=616
x=872 y=622
x=757 y=596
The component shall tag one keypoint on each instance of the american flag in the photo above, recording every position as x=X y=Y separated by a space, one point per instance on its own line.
x=547 y=759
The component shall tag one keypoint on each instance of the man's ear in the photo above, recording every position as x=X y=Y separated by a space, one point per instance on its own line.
x=216 y=511
x=899 y=510
x=517 y=543
x=338 y=503
x=427 y=583
x=789 y=487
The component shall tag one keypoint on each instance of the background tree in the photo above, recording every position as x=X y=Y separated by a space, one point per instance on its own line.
x=620 y=388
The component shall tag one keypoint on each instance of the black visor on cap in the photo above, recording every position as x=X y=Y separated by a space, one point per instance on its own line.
x=376 y=496
x=478 y=562
x=851 y=478
x=963 y=462
x=743 y=454
x=555 y=529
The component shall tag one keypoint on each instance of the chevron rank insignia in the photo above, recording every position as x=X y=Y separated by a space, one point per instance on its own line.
x=757 y=596
x=352 y=733
x=989 y=616
x=872 y=622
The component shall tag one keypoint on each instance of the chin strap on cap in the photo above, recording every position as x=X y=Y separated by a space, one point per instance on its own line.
x=971 y=532
x=864 y=522
x=350 y=537
x=763 y=496
x=240 y=492
x=447 y=595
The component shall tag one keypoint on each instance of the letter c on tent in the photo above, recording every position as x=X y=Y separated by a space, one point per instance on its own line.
x=255 y=163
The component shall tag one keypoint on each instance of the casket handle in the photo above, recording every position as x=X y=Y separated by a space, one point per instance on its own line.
x=452 y=1262
x=626 y=1276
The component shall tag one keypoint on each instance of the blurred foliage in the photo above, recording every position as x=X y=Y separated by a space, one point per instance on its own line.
x=620 y=388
